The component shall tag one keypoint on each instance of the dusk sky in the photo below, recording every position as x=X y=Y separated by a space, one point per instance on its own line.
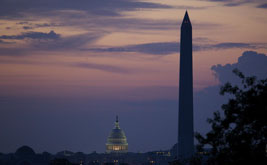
x=68 y=67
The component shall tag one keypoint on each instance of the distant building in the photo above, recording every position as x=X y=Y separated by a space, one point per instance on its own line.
x=61 y=162
x=117 y=142
x=25 y=151
x=65 y=153
x=113 y=158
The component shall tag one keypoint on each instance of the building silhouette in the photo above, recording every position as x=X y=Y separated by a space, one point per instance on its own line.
x=117 y=142
x=185 y=123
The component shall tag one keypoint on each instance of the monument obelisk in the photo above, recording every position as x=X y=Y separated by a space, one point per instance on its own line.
x=185 y=125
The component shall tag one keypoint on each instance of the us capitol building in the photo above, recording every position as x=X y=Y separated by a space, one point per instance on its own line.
x=117 y=142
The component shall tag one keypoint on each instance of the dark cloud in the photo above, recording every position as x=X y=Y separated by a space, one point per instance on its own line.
x=232 y=3
x=78 y=41
x=190 y=7
x=88 y=14
x=263 y=6
x=202 y=40
x=92 y=14
x=159 y=48
x=47 y=42
x=32 y=35
x=22 y=23
x=208 y=100
x=250 y=63
x=27 y=27
x=18 y=8
x=229 y=45
x=165 y=48
x=116 y=23
x=67 y=43
x=46 y=25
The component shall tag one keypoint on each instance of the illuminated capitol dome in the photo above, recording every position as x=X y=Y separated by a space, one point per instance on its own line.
x=117 y=142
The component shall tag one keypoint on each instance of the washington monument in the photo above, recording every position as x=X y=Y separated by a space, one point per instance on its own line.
x=185 y=125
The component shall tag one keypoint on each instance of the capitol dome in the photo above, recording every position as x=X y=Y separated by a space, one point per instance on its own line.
x=117 y=142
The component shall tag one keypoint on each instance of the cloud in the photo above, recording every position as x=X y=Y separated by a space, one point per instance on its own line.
x=228 y=45
x=18 y=8
x=165 y=48
x=182 y=7
x=159 y=48
x=86 y=14
x=67 y=43
x=120 y=23
x=46 y=25
x=32 y=35
x=22 y=23
x=33 y=26
x=250 y=63
x=54 y=42
x=232 y=3
x=46 y=42
x=263 y=6
x=208 y=100
x=27 y=27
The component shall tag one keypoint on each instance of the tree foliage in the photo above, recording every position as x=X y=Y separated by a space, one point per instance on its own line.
x=239 y=136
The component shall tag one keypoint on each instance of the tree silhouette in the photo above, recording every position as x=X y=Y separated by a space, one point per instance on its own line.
x=239 y=136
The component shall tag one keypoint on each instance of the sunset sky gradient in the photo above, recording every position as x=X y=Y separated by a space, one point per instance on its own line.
x=67 y=68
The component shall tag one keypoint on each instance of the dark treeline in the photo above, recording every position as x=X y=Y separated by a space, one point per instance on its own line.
x=239 y=130
x=27 y=156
